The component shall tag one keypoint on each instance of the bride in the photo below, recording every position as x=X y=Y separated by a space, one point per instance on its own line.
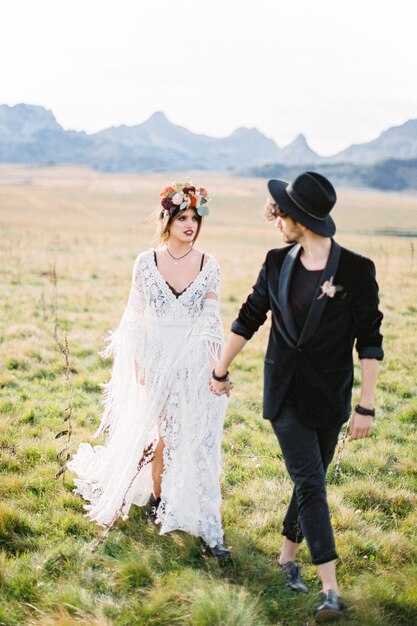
x=162 y=422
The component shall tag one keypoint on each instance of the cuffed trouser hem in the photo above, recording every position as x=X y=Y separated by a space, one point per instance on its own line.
x=331 y=556
x=294 y=538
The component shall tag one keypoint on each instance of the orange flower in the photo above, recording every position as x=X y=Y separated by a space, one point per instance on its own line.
x=193 y=202
x=167 y=190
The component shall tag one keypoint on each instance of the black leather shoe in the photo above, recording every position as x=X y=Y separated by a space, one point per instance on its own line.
x=332 y=608
x=293 y=576
x=152 y=510
x=218 y=551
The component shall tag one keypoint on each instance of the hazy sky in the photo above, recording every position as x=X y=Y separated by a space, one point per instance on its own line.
x=339 y=71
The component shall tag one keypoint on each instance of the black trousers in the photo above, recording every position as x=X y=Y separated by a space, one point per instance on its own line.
x=307 y=454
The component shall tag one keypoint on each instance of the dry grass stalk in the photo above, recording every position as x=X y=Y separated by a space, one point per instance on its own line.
x=66 y=370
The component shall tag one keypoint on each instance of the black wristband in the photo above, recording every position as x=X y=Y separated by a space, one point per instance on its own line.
x=220 y=379
x=362 y=411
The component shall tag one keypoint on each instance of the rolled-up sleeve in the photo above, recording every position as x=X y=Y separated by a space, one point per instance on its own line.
x=367 y=316
x=254 y=311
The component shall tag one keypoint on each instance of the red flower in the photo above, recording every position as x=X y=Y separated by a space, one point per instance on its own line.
x=168 y=204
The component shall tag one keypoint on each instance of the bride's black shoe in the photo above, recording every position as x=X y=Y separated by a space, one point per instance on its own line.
x=152 y=510
x=218 y=551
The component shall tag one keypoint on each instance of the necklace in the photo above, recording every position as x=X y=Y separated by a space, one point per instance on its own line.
x=178 y=258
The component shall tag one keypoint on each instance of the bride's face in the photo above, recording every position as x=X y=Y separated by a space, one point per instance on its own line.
x=184 y=227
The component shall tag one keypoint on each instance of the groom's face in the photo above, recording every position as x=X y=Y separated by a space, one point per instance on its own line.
x=291 y=230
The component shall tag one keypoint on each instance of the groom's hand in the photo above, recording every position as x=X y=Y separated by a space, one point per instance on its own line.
x=220 y=388
x=360 y=426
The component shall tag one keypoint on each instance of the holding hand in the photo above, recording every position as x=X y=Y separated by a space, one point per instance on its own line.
x=220 y=384
x=219 y=388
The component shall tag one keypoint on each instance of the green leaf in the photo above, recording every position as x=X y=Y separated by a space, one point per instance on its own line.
x=202 y=210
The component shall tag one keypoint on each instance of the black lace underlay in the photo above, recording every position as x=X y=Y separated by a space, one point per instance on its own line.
x=176 y=293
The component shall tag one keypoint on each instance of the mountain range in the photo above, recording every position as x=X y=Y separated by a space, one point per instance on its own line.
x=31 y=134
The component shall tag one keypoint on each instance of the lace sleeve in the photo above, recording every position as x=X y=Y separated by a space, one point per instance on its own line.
x=132 y=318
x=212 y=329
x=213 y=287
x=133 y=313
x=127 y=347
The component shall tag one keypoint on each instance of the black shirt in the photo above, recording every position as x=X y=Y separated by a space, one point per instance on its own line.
x=302 y=290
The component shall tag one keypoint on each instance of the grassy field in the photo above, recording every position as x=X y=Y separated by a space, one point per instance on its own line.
x=68 y=241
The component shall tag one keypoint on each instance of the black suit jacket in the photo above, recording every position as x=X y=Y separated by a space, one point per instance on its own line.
x=320 y=356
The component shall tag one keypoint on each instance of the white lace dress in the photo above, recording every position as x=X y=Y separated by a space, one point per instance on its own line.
x=172 y=342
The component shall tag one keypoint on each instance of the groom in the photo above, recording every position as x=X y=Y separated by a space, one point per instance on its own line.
x=323 y=301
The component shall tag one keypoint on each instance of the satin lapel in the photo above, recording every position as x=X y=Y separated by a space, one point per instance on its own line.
x=284 y=289
x=318 y=305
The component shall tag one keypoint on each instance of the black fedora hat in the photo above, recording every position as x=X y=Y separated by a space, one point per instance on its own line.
x=308 y=200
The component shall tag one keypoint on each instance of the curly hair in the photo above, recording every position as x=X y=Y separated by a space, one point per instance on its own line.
x=272 y=210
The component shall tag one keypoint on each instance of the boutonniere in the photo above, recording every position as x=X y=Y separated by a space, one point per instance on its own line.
x=329 y=289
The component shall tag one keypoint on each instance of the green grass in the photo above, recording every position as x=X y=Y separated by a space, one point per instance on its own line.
x=54 y=567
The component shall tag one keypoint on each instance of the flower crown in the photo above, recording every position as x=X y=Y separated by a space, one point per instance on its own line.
x=184 y=196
